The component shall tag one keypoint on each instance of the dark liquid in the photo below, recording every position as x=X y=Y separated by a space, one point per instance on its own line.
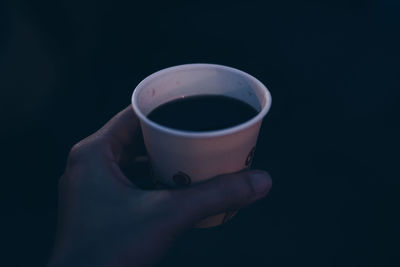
x=202 y=113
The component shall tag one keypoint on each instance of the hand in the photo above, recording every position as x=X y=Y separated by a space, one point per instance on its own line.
x=107 y=220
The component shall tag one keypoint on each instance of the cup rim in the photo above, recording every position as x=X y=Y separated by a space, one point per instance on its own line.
x=205 y=134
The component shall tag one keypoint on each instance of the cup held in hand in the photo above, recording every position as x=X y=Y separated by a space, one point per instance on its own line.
x=181 y=158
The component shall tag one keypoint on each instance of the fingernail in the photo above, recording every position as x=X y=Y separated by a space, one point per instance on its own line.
x=260 y=182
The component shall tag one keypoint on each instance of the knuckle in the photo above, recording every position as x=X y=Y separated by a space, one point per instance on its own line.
x=84 y=150
x=74 y=149
x=75 y=154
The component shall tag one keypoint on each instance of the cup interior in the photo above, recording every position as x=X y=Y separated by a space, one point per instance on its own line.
x=199 y=79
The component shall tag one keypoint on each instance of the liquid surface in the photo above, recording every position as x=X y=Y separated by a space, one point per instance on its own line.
x=202 y=113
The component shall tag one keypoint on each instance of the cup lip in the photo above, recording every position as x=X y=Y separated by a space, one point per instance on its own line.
x=205 y=134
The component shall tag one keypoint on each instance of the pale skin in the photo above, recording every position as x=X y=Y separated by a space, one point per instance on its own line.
x=105 y=219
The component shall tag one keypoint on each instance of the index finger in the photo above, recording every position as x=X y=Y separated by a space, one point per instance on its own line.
x=122 y=133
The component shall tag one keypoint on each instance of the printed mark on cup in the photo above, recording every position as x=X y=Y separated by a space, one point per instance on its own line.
x=250 y=157
x=182 y=178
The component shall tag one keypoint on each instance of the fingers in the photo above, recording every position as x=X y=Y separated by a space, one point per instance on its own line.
x=228 y=192
x=139 y=173
x=122 y=134
x=110 y=149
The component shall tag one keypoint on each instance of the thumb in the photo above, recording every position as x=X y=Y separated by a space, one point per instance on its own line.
x=220 y=194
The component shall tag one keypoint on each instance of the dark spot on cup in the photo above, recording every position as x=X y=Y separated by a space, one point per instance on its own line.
x=250 y=157
x=182 y=178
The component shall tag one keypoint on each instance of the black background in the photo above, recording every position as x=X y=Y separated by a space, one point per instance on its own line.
x=330 y=140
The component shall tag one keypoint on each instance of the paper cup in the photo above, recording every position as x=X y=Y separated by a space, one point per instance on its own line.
x=183 y=158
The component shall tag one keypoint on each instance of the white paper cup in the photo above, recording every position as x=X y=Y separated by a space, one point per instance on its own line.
x=181 y=158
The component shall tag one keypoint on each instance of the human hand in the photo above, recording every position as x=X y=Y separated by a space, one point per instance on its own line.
x=107 y=220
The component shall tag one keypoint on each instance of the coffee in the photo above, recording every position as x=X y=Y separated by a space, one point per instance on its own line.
x=202 y=113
